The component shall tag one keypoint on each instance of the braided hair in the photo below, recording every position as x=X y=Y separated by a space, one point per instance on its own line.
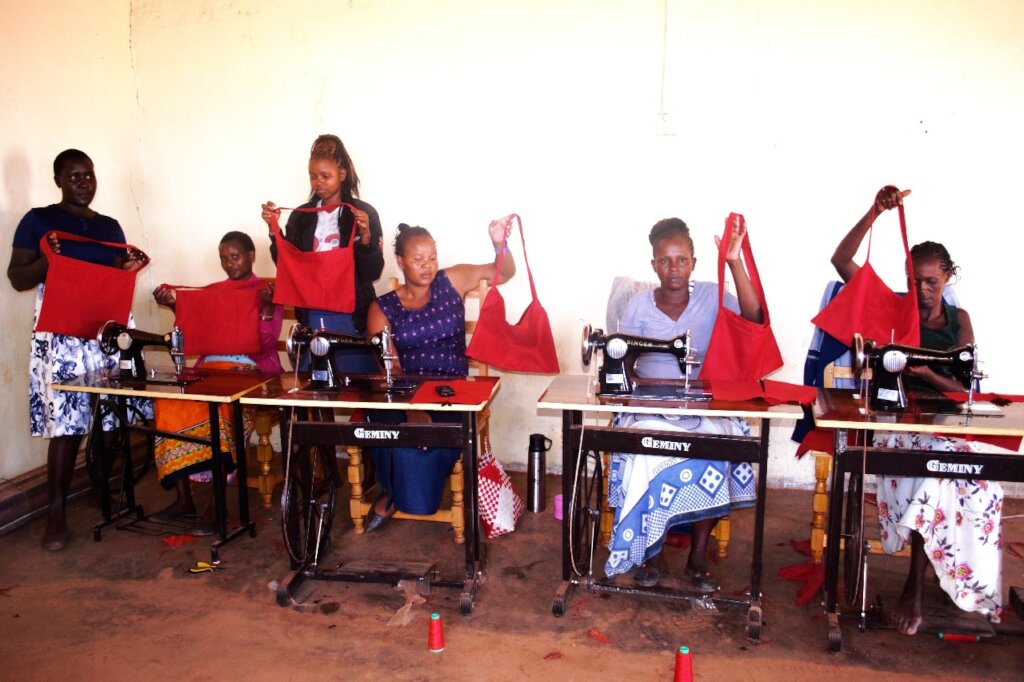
x=331 y=147
x=926 y=251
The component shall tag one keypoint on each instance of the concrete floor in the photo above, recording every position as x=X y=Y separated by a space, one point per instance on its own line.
x=127 y=608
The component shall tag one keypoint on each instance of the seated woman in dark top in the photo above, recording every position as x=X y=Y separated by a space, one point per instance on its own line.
x=952 y=524
x=427 y=317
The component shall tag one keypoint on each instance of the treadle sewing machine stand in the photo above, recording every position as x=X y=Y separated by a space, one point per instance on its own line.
x=213 y=387
x=844 y=411
x=309 y=498
x=574 y=396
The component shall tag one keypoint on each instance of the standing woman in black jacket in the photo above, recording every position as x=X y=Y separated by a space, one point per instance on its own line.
x=333 y=180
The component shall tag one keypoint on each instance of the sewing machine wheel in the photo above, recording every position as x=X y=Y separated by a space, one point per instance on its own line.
x=584 y=512
x=107 y=337
x=587 y=347
x=290 y=344
x=307 y=503
x=853 y=537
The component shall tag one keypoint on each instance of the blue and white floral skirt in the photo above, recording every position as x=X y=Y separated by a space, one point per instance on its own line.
x=57 y=358
x=653 y=494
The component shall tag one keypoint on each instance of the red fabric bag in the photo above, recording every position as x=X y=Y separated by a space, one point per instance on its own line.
x=81 y=296
x=320 y=280
x=865 y=305
x=219 y=319
x=740 y=350
x=526 y=346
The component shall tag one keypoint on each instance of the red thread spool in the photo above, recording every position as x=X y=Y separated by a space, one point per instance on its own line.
x=435 y=636
x=684 y=665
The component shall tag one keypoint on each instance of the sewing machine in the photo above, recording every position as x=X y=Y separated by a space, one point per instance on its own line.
x=617 y=375
x=886 y=363
x=322 y=345
x=131 y=365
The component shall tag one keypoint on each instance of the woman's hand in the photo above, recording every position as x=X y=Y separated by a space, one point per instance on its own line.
x=54 y=242
x=165 y=295
x=135 y=261
x=270 y=210
x=739 y=233
x=500 y=229
x=362 y=226
x=267 y=300
x=889 y=197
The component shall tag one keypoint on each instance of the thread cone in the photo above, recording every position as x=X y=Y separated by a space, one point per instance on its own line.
x=684 y=666
x=435 y=635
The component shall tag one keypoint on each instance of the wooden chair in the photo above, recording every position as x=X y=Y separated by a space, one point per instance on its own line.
x=264 y=463
x=623 y=289
x=822 y=471
x=454 y=514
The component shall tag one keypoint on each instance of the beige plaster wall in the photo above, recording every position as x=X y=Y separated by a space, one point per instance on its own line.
x=590 y=118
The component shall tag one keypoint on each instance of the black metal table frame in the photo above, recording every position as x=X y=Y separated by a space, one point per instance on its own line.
x=753 y=449
x=890 y=462
x=119 y=404
x=461 y=435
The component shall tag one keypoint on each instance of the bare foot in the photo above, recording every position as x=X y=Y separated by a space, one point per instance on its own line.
x=178 y=508
x=55 y=537
x=907 y=615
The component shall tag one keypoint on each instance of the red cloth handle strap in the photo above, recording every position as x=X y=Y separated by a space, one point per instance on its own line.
x=748 y=259
x=911 y=281
x=44 y=242
x=526 y=260
x=228 y=284
x=276 y=228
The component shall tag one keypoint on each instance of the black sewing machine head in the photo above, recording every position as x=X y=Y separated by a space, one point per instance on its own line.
x=887 y=363
x=322 y=345
x=115 y=337
x=618 y=375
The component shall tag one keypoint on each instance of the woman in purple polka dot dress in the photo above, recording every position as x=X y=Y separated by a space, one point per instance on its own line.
x=427 y=317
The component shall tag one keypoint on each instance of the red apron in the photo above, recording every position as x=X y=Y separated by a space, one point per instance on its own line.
x=219 y=319
x=318 y=280
x=526 y=346
x=740 y=350
x=81 y=296
x=865 y=305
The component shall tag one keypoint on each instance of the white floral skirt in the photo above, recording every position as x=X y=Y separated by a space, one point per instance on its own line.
x=960 y=521
x=56 y=358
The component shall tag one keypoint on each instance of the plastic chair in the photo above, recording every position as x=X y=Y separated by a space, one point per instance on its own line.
x=622 y=290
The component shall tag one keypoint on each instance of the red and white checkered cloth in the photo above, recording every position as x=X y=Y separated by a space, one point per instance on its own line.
x=500 y=504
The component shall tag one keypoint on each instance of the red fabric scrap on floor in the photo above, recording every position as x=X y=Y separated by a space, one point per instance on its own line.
x=178 y=540
x=811 y=576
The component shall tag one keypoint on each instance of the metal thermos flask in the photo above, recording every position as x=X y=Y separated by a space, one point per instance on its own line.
x=536 y=470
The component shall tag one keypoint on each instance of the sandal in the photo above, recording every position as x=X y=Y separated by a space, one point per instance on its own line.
x=646 y=575
x=702 y=580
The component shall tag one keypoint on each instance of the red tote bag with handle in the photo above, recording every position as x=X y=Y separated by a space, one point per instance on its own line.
x=81 y=296
x=740 y=350
x=865 y=305
x=527 y=345
x=320 y=280
x=219 y=319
